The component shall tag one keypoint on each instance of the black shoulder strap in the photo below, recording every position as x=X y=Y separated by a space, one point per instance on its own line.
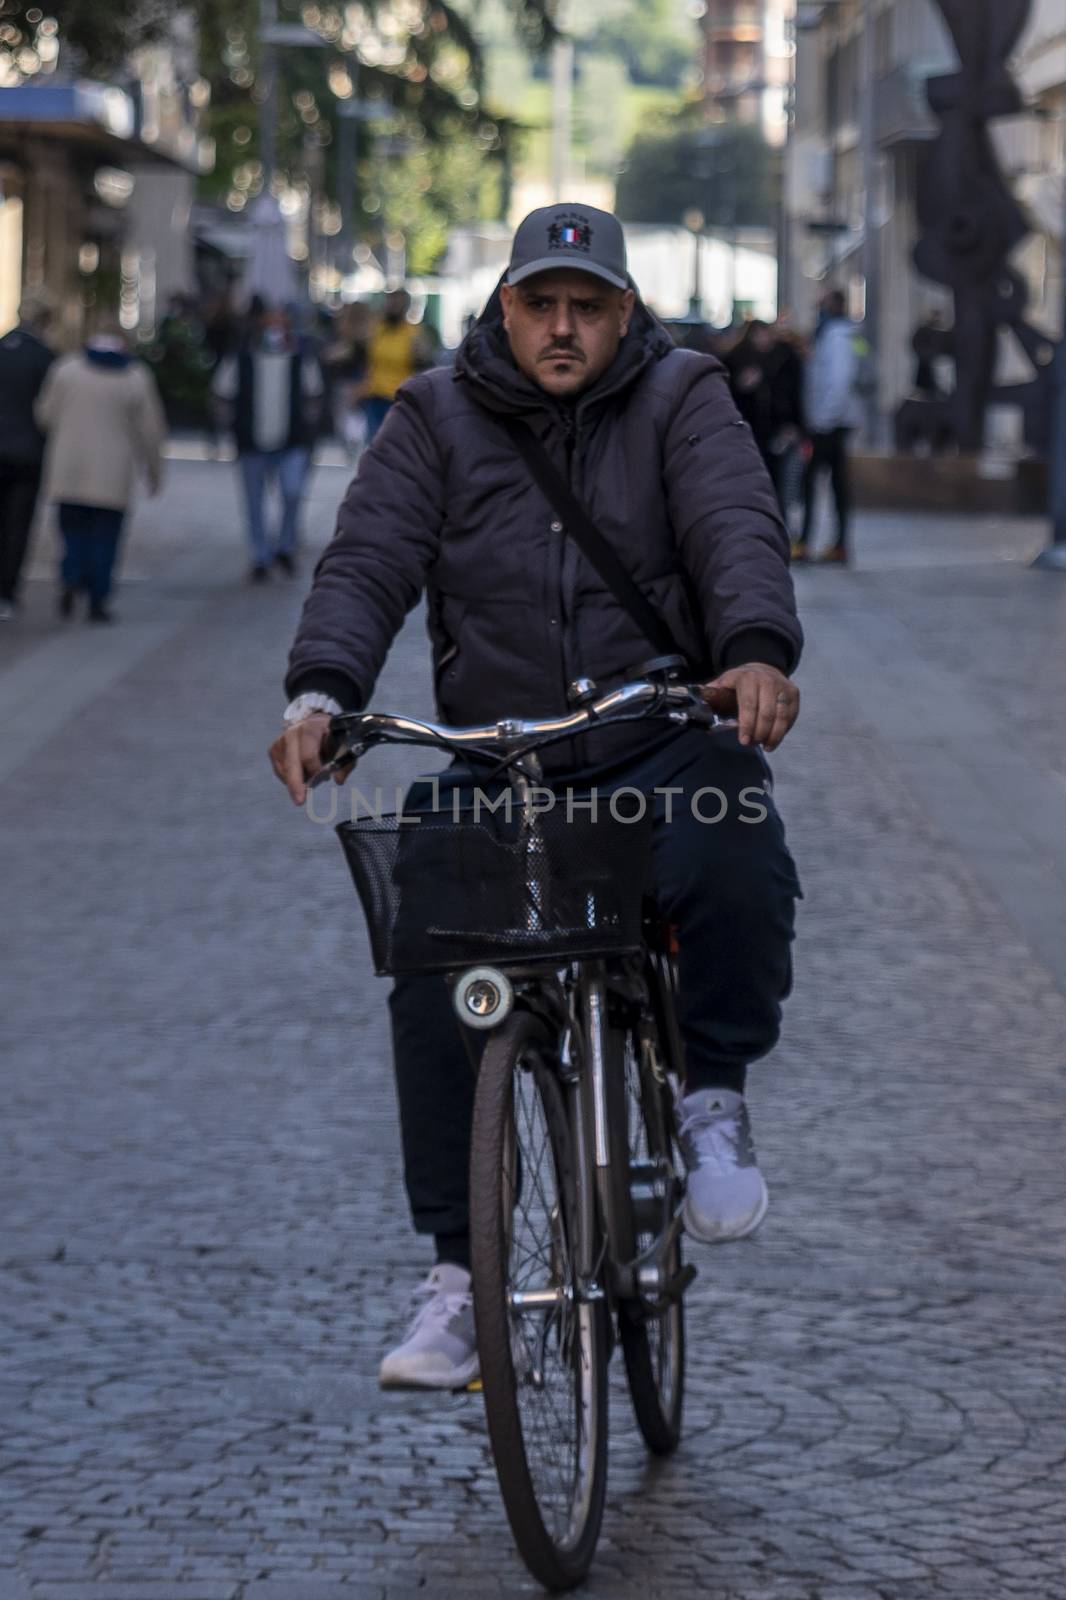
x=589 y=540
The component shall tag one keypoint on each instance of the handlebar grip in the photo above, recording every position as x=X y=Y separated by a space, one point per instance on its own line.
x=704 y=717
x=337 y=750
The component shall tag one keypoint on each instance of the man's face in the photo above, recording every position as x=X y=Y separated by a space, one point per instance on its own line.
x=564 y=328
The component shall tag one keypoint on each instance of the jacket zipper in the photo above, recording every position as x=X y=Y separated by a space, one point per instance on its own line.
x=569 y=421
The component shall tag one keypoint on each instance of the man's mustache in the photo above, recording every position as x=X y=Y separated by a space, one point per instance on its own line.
x=568 y=352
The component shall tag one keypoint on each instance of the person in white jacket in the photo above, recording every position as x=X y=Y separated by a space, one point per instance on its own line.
x=101 y=411
x=832 y=407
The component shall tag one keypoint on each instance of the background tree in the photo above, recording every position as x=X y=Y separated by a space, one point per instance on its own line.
x=419 y=65
x=651 y=40
x=418 y=60
x=727 y=171
x=99 y=34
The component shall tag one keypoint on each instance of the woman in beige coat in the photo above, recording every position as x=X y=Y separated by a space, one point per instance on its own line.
x=104 y=421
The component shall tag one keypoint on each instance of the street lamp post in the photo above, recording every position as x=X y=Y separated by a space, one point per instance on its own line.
x=268 y=111
x=562 y=101
x=809 y=17
x=270 y=270
x=348 y=112
x=694 y=221
x=871 y=235
x=1053 y=559
x=722 y=168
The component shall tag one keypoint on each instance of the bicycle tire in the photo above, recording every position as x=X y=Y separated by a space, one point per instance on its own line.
x=514 y=1068
x=653 y=1346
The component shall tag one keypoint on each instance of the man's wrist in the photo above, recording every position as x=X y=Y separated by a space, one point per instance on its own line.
x=325 y=680
x=760 y=645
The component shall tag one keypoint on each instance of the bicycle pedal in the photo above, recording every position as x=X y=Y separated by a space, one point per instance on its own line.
x=680 y=1281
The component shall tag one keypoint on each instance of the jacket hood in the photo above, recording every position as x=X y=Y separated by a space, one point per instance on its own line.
x=484 y=360
x=22 y=334
x=107 y=352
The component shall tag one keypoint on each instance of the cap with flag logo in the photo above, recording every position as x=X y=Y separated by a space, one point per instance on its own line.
x=576 y=237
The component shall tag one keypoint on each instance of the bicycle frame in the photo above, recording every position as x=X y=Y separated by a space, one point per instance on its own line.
x=595 y=1079
x=577 y=1001
x=577 y=997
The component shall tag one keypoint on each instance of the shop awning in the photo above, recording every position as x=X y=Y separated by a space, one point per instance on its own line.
x=96 y=116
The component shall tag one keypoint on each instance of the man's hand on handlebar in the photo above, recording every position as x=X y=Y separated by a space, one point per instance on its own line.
x=301 y=751
x=764 y=702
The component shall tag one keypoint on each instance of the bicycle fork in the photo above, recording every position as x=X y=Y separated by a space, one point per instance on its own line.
x=619 y=1200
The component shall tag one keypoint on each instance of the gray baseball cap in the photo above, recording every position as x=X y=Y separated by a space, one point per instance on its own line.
x=576 y=237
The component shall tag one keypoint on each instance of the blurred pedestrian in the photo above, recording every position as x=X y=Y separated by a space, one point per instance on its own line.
x=929 y=345
x=396 y=350
x=793 y=458
x=220 y=340
x=24 y=362
x=104 y=420
x=220 y=326
x=345 y=362
x=831 y=402
x=248 y=326
x=766 y=378
x=270 y=394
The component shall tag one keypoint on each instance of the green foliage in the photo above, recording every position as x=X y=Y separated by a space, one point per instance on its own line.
x=650 y=41
x=94 y=37
x=536 y=21
x=431 y=157
x=431 y=190
x=182 y=365
x=423 y=159
x=727 y=171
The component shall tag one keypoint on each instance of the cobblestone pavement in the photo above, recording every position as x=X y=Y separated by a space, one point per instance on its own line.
x=205 y=1243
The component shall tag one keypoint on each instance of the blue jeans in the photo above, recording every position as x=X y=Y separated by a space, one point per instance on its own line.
x=730 y=888
x=291 y=469
x=375 y=409
x=90 y=539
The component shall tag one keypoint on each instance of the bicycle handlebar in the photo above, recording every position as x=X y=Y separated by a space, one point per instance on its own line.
x=511 y=737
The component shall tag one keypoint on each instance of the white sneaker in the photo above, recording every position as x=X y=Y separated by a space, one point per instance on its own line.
x=440 y=1350
x=725 y=1197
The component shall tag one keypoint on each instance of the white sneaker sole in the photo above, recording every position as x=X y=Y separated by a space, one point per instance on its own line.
x=412 y=1375
x=724 y=1235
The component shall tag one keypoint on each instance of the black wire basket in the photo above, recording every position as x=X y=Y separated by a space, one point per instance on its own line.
x=441 y=891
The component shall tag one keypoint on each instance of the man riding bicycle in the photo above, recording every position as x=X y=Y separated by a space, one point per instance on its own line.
x=451 y=500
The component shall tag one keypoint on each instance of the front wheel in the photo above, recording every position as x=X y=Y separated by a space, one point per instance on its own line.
x=542 y=1345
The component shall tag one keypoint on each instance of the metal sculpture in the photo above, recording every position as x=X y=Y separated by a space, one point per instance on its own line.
x=970 y=223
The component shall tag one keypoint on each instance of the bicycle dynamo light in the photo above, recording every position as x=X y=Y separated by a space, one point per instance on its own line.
x=483 y=997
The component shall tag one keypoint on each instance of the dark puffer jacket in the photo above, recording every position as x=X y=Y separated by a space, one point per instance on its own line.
x=24 y=363
x=441 y=501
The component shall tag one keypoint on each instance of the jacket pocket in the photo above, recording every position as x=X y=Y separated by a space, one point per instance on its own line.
x=450 y=616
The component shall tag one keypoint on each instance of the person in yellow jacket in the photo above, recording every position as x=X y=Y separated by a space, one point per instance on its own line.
x=396 y=350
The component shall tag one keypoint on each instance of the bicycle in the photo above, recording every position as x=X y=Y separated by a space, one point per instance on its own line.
x=557 y=958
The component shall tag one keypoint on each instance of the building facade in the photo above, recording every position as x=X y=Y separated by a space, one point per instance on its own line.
x=839 y=78
x=747 y=62
x=1033 y=151
x=96 y=183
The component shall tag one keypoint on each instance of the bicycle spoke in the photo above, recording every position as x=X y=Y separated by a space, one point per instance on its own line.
x=549 y=1344
x=544 y=1362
